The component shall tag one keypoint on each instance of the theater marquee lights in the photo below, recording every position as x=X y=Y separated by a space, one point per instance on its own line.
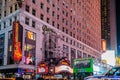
x=17 y=41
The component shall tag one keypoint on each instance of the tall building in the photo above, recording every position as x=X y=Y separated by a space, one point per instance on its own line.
x=39 y=29
x=108 y=23
x=118 y=28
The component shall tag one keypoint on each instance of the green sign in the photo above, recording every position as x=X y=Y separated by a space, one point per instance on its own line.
x=83 y=65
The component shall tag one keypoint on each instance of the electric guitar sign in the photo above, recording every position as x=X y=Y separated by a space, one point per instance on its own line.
x=17 y=41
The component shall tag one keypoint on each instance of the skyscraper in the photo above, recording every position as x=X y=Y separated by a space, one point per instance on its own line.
x=49 y=28
x=118 y=24
x=108 y=15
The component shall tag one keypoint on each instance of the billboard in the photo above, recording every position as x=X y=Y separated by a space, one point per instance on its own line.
x=83 y=65
x=109 y=57
x=17 y=41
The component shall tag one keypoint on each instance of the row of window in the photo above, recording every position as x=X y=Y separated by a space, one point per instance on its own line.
x=58 y=16
x=77 y=44
x=75 y=52
x=74 y=43
x=7 y=22
x=27 y=21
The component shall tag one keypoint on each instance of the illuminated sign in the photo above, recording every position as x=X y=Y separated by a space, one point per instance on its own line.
x=64 y=63
x=103 y=45
x=45 y=28
x=83 y=65
x=30 y=35
x=17 y=41
x=42 y=70
x=63 y=68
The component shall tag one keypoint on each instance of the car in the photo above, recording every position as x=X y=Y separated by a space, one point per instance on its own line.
x=112 y=74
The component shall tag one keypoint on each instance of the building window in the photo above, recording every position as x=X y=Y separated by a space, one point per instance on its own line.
x=71 y=42
x=15 y=6
x=0 y=15
x=48 y=10
x=63 y=20
x=10 y=59
x=2 y=41
x=53 y=23
x=66 y=39
x=42 y=17
x=30 y=48
x=27 y=21
x=10 y=9
x=58 y=16
x=48 y=20
x=53 y=13
x=58 y=26
x=42 y=5
x=34 y=1
x=74 y=43
x=33 y=12
x=4 y=13
x=63 y=29
x=66 y=22
x=65 y=49
x=27 y=8
x=53 y=5
x=79 y=54
x=33 y=24
x=66 y=14
x=74 y=35
x=58 y=8
x=4 y=24
x=73 y=54
x=66 y=31
x=70 y=33
x=63 y=12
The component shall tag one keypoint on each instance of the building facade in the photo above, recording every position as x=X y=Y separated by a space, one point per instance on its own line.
x=108 y=23
x=50 y=28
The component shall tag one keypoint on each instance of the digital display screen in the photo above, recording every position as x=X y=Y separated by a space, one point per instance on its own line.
x=82 y=64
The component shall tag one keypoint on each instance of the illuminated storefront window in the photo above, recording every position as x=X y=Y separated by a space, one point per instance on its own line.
x=29 y=48
x=10 y=47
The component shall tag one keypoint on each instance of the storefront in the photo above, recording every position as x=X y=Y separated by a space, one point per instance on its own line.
x=61 y=71
x=17 y=70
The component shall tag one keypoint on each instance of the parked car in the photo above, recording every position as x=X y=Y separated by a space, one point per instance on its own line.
x=112 y=74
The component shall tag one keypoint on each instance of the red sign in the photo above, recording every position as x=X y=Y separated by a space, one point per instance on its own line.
x=42 y=68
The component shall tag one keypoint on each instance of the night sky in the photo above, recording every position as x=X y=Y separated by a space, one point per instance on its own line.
x=118 y=24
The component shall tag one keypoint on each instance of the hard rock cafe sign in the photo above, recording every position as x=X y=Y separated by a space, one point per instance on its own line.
x=17 y=41
x=46 y=29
